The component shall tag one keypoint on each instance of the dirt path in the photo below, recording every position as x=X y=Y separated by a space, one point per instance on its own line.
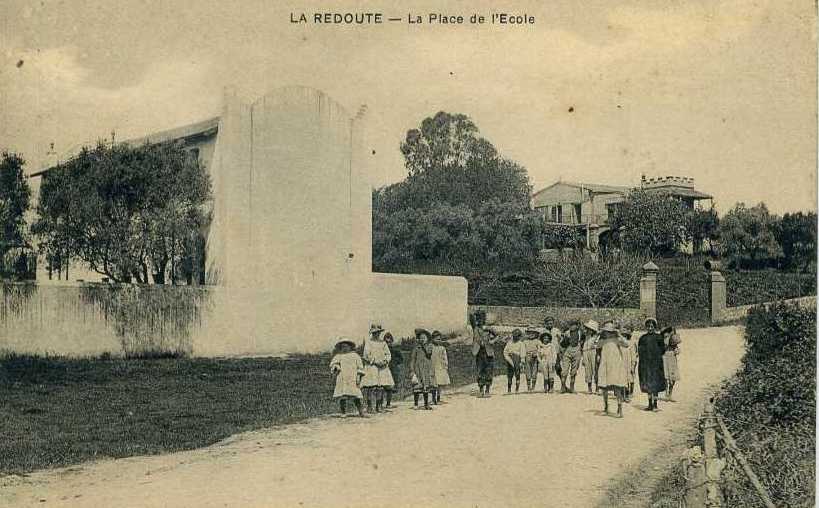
x=528 y=449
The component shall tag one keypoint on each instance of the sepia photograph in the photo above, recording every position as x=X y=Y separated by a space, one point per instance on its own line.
x=261 y=253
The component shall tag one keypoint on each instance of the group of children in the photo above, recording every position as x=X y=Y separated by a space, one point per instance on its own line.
x=374 y=375
x=607 y=352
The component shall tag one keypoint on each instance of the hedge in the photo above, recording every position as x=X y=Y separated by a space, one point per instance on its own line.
x=770 y=407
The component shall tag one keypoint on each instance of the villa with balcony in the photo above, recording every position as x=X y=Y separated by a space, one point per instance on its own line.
x=589 y=205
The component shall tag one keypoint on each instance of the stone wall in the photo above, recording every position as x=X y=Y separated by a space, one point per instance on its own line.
x=401 y=303
x=728 y=314
x=533 y=316
x=90 y=319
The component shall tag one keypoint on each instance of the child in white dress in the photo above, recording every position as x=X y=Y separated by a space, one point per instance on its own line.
x=547 y=359
x=440 y=365
x=348 y=370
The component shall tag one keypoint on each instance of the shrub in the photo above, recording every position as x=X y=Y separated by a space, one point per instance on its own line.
x=770 y=407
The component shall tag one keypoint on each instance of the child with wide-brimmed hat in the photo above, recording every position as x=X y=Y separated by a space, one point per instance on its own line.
x=611 y=373
x=531 y=344
x=423 y=376
x=348 y=370
x=514 y=353
x=547 y=359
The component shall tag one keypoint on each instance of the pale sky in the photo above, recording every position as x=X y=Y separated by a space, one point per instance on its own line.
x=722 y=91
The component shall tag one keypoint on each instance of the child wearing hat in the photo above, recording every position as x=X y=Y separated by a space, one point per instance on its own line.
x=423 y=376
x=531 y=345
x=514 y=353
x=377 y=375
x=348 y=370
x=612 y=370
x=440 y=365
x=547 y=359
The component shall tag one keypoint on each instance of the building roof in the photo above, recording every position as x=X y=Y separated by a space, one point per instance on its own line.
x=186 y=132
x=203 y=128
x=594 y=187
x=683 y=192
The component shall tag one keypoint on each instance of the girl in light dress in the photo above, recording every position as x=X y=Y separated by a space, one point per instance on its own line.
x=440 y=365
x=611 y=373
x=630 y=360
x=420 y=366
x=377 y=375
x=514 y=353
x=348 y=370
x=547 y=359
x=531 y=344
x=396 y=368
x=671 y=366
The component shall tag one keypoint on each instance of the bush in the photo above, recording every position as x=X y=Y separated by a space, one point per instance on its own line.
x=770 y=407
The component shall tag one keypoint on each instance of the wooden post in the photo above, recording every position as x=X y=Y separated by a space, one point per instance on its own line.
x=695 y=480
x=713 y=464
x=732 y=446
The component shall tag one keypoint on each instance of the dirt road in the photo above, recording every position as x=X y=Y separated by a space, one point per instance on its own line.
x=527 y=449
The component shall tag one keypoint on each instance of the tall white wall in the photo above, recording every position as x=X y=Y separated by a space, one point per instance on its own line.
x=291 y=241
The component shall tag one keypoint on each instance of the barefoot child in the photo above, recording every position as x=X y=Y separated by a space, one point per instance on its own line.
x=547 y=356
x=423 y=377
x=440 y=365
x=514 y=353
x=531 y=345
x=348 y=370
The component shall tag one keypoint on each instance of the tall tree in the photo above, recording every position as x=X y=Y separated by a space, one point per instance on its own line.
x=130 y=213
x=747 y=236
x=796 y=233
x=650 y=222
x=462 y=197
x=15 y=198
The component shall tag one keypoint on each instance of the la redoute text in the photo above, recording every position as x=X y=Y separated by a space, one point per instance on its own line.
x=433 y=18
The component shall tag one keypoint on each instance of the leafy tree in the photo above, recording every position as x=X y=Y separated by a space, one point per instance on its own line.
x=558 y=236
x=448 y=162
x=130 y=213
x=747 y=236
x=462 y=208
x=15 y=198
x=701 y=225
x=652 y=223
x=796 y=233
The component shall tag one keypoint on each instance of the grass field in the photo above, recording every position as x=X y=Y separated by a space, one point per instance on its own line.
x=56 y=411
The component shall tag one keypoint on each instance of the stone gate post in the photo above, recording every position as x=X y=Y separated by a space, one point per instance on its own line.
x=718 y=296
x=718 y=293
x=648 y=290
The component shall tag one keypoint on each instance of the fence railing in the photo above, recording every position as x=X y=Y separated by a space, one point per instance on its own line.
x=703 y=466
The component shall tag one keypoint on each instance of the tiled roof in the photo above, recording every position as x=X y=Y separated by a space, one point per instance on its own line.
x=203 y=128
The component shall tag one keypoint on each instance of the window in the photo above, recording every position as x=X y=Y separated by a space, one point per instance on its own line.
x=557 y=213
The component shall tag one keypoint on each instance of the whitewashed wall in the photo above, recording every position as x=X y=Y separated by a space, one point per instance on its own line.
x=401 y=303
